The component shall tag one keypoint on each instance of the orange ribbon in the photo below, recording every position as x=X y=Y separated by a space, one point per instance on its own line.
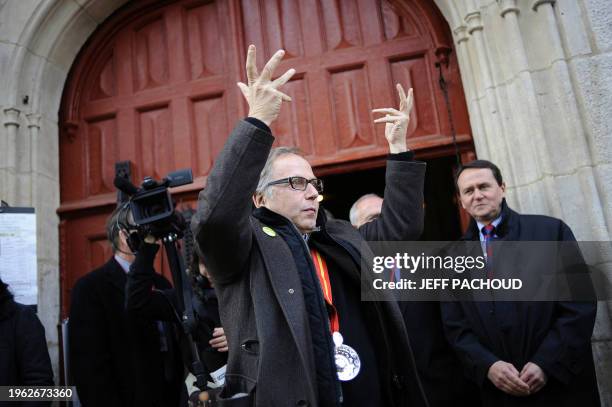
x=323 y=274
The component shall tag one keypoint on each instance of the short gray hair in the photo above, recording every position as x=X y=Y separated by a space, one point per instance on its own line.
x=266 y=174
x=353 y=211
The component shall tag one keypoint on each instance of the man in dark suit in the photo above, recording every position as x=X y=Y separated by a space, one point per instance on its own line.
x=287 y=277
x=116 y=358
x=519 y=353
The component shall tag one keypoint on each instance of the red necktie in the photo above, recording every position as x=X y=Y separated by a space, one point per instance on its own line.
x=488 y=232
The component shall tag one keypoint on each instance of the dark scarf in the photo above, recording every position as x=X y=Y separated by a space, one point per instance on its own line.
x=329 y=389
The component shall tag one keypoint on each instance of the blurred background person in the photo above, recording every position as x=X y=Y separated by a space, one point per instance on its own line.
x=213 y=343
x=24 y=358
x=365 y=209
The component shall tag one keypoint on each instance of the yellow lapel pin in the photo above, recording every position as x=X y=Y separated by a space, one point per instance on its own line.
x=269 y=231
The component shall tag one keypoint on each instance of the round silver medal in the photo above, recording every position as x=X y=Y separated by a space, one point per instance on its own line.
x=347 y=359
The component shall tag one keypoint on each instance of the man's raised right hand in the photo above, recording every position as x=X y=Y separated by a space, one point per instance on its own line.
x=262 y=92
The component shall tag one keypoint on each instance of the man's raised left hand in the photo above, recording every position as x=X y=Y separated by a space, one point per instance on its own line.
x=396 y=126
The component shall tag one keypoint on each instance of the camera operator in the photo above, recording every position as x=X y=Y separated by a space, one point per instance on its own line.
x=118 y=359
x=148 y=303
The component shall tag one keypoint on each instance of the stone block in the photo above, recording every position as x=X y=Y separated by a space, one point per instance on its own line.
x=47 y=220
x=602 y=354
x=15 y=16
x=57 y=19
x=99 y=10
x=70 y=40
x=521 y=138
x=499 y=55
x=531 y=199
x=6 y=57
x=472 y=51
x=49 y=309
x=594 y=84
x=564 y=132
x=579 y=209
x=47 y=224
x=540 y=36
x=47 y=150
x=50 y=89
x=573 y=28
x=603 y=178
x=600 y=16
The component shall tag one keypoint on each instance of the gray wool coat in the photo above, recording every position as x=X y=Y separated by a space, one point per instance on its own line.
x=259 y=289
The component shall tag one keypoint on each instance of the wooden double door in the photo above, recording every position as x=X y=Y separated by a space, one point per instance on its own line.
x=155 y=86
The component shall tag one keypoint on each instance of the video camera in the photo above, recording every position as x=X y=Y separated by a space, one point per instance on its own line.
x=151 y=204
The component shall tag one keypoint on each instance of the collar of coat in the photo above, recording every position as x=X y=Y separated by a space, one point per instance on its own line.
x=505 y=230
x=115 y=275
x=272 y=218
x=7 y=307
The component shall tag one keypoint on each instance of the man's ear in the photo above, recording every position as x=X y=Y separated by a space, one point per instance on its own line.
x=460 y=200
x=258 y=200
x=503 y=187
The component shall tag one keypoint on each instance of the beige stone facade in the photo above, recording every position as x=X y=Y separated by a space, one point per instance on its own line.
x=537 y=76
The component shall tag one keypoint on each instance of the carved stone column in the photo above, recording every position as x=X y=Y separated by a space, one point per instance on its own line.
x=11 y=123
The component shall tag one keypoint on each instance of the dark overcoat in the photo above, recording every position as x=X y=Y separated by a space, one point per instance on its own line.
x=116 y=357
x=556 y=336
x=24 y=358
x=260 y=292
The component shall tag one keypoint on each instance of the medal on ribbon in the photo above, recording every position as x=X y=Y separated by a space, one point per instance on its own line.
x=347 y=360
x=348 y=363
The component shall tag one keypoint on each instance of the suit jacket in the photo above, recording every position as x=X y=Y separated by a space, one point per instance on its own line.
x=556 y=336
x=24 y=358
x=260 y=292
x=116 y=358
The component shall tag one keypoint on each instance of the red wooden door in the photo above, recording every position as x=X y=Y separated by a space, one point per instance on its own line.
x=156 y=85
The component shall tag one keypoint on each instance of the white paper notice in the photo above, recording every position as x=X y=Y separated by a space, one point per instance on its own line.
x=18 y=253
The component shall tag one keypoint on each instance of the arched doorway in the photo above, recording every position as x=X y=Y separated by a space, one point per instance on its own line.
x=155 y=86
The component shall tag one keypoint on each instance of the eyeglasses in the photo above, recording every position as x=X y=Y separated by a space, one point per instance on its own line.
x=299 y=183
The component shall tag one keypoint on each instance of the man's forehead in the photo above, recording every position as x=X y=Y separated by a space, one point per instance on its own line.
x=472 y=175
x=372 y=202
x=289 y=165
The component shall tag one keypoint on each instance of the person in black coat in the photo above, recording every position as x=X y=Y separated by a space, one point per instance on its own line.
x=24 y=358
x=118 y=359
x=213 y=343
x=519 y=353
